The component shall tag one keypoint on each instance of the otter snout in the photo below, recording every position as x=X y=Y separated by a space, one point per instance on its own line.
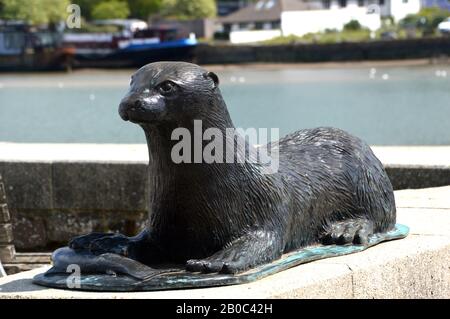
x=142 y=108
x=123 y=111
x=128 y=105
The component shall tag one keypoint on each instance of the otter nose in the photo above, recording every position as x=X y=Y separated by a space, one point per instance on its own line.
x=128 y=103
x=123 y=111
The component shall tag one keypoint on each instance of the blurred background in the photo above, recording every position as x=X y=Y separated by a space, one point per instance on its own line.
x=378 y=69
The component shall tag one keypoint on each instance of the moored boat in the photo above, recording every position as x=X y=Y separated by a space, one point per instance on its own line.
x=27 y=48
x=131 y=48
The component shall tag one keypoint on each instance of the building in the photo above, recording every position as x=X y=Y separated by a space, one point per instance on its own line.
x=398 y=9
x=267 y=19
x=226 y=7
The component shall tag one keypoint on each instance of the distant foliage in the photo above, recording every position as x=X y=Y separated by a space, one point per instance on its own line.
x=87 y=6
x=426 y=19
x=189 y=9
x=179 y=9
x=46 y=11
x=352 y=25
x=328 y=36
x=112 y=9
x=35 y=12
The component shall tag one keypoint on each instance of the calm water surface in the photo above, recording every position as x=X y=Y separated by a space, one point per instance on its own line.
x=384 y=106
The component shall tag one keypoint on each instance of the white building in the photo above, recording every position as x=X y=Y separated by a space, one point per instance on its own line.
x=267 y=19
x=398 y=9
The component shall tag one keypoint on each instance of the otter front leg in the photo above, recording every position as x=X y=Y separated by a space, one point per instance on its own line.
x=252 y=249
x=84 y=241
x=99 y=243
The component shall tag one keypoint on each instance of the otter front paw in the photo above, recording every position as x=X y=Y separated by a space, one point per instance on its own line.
x=117 y=244
x=84 y=241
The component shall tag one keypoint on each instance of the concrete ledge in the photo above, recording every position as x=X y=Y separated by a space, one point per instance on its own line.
x=26 y=261
x=425 y=156
x=415 y=267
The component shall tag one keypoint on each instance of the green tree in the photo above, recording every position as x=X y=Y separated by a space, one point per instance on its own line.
x=142 y=9
x=352 y=25
x=112 y=9
x=188 y=9
x=86 y=7
x=138 y=8
x=34 y=12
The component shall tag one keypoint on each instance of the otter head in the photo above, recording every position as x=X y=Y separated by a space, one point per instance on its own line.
x=170 y=93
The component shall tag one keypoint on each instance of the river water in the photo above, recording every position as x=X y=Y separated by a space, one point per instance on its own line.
x=385 y=105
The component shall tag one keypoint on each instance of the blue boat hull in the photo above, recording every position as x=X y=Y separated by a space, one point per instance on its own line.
x=139 y=55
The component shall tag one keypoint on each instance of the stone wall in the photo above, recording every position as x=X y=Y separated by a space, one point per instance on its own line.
x=52 y=202
x=292 y=53
x=7 y=251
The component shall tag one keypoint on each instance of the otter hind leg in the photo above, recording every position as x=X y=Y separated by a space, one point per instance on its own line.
x=356 y=231
x=248 y=251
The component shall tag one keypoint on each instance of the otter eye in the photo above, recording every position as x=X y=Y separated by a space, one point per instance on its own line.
x=166 y=87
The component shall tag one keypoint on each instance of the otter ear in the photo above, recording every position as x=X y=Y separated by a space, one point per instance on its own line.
x=213 y=77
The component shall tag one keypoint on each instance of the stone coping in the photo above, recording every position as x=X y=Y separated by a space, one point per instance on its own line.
x=415 y=267
x=423 y=156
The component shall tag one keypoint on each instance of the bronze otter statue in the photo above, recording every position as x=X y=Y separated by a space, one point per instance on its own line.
x=229 y=217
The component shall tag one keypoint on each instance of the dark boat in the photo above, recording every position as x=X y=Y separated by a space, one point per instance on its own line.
x=131 y=49
x=27 y=48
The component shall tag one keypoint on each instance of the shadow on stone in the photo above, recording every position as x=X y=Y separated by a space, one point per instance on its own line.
x=20 y=285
